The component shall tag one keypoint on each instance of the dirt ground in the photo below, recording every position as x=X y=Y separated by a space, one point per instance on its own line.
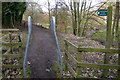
x=42 y=53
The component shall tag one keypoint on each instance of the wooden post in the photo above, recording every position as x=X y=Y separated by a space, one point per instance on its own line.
x=20 y=41
x=118 y=34
x=79 y=58
x=118 y=72
x=19 y=38
x=108 y=38
x=10 y=37
x=66 y=57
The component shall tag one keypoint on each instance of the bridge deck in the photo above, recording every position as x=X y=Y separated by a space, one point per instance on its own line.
x=42 y=53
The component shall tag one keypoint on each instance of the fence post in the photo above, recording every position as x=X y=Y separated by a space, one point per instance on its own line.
x=10 y=37
x=79 y=58
x=65 y=55
x=118 y=35
x=19 y=37
x=19 y=40
x=118 y=72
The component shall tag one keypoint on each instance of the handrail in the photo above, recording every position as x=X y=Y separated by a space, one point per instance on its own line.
x=53 y=29
x=27 y=46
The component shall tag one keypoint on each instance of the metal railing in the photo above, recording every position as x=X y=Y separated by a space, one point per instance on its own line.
x=53 y=29
x=27 y=47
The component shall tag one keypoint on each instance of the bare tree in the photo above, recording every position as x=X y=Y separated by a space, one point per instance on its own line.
x=49 y=10
x=79 y=16
x=117 y=23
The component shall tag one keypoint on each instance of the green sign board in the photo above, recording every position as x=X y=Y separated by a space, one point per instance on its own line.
x=102 y=12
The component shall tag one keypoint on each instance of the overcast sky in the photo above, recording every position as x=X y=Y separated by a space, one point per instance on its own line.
x=43 y=3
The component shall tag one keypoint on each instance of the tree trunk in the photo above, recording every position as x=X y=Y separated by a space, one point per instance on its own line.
x=72 y=17
x=80 y=20
x=49 y=11
x=75 y=19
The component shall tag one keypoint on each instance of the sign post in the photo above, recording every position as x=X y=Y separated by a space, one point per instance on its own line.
x=107 y=13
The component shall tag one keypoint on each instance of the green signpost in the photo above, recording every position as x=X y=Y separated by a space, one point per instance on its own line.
x=107 y=13
x=102 y=12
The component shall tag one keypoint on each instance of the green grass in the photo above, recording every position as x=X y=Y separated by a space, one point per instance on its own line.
x=46 y=24
x=100 y=35
x=56 y=68
x=29 y=72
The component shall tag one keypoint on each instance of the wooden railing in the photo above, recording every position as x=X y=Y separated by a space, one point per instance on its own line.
x=12 y=42
x=73 y=60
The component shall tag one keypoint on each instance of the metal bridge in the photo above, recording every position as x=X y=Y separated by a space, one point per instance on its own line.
x=44 y=48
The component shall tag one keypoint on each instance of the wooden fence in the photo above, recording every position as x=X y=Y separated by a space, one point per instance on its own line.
x=73 y=60
x=11 y=49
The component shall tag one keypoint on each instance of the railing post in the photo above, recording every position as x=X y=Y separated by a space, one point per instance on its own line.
x=19 y=37
x=65 y=56
x=118 y=72
x=19 y=40
x=79 y=58
x=10 y=37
